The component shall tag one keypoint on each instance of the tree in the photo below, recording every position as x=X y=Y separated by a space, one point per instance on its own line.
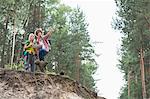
x=71 y=51
x=133 y=21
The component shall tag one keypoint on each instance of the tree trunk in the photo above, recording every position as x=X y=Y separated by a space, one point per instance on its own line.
x=13 y=47
x=142 y=73
x=39 y=14
x=34 y=20
x=2 y=54
x=4 y=43
x=147 y=68
x=78 y=64
x=8 y=52
x=129 y=85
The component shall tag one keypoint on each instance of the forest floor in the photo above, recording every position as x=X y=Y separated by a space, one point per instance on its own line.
x=27 y=85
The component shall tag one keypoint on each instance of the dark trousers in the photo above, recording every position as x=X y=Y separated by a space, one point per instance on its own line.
x=42 y=54
x=30 y=62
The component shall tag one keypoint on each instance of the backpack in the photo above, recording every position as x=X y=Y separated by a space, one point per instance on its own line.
x=49 y=45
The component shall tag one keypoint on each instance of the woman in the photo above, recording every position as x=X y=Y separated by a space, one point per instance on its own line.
x=30 y=53
x=43 y=45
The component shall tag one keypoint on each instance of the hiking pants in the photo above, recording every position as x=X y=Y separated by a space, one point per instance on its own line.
x=42 y=54
x=30 y=62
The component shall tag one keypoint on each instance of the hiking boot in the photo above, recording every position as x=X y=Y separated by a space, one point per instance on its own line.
x=37 y=62
x=42 y=65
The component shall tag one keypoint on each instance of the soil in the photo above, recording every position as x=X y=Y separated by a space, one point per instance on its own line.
x=27 y=85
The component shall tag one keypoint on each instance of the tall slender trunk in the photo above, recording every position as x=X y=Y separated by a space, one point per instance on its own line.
x=4 y=42
x=147 y=68
x=39 y=14
x=129 y=78
x=78 y=64
x=13 y=47
x=2 y=54
x=142 y=73
x=8 y=52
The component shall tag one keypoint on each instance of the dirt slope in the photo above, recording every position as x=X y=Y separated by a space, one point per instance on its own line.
x=26 y=85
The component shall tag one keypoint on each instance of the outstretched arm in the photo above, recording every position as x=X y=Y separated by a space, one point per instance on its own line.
x=49 y=33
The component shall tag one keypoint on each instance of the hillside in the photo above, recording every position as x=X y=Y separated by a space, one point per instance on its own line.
x=26 y=85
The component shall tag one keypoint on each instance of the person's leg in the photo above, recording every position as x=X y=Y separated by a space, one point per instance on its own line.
x=25 y=60
x=42 y=54
x=32 y=63
x=42 y=66
x=28 y=61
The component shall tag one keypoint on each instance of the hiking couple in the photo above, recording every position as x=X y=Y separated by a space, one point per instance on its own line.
x=35 y=50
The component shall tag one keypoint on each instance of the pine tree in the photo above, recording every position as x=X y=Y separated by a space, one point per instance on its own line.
x=133 y=22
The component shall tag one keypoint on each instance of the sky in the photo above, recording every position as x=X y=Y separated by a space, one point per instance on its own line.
x=99 y=14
